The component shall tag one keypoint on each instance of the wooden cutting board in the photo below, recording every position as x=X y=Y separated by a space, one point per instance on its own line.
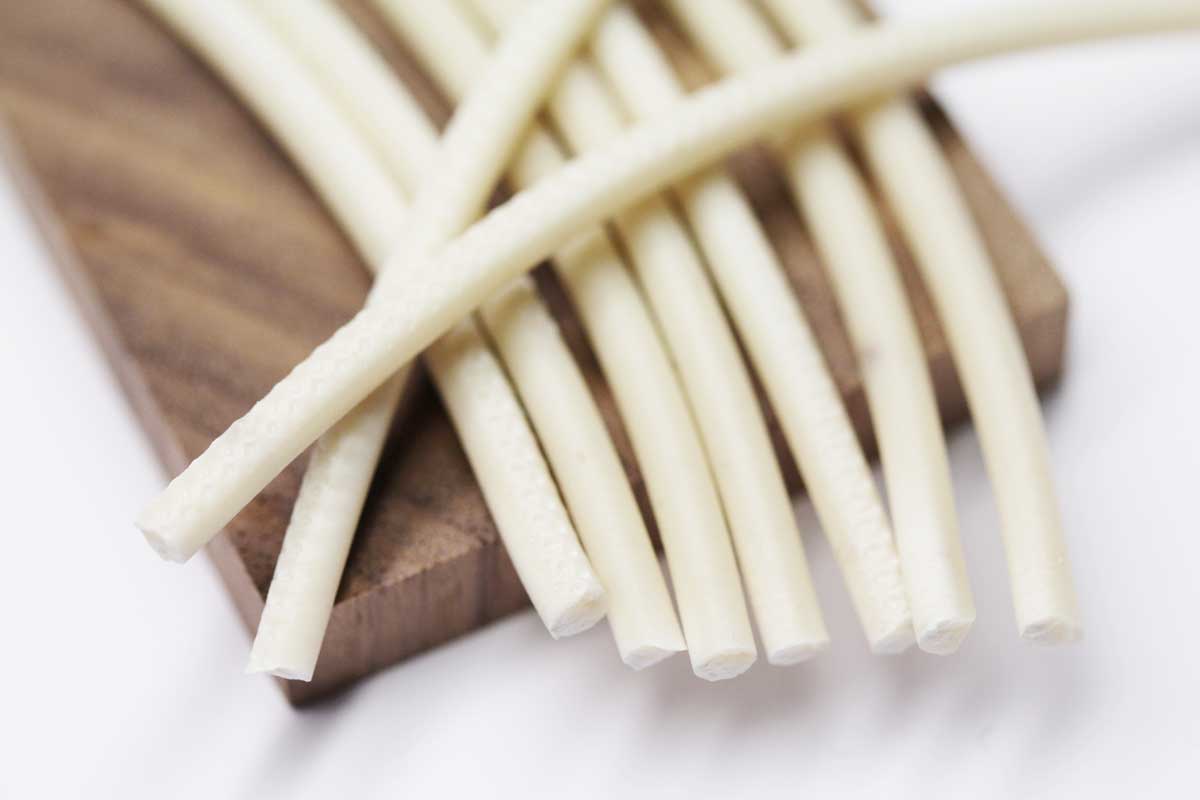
x=207 y=270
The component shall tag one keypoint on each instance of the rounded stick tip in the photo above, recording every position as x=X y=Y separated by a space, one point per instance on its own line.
x=943 y=637
x=588 y=609
x=259 y=664
x=1052 y=630
x=167 y=549
x=796 y=653
x=894 y=641
x=724 y=664
x=648 y=655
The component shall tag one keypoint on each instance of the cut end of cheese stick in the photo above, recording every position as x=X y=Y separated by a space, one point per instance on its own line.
x=166 y=546
x=1044 y=597
x=894 y=641
x=1052 y=631
x=724 y=665
x=943 y=637
x=579 y=613
x=878 y=594
x=647 y=655
x=258 y=665
x=796 y=653
x=177 y=532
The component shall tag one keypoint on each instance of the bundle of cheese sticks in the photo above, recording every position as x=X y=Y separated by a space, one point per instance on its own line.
x=617 y=177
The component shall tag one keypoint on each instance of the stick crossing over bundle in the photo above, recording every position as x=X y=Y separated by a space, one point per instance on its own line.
x=419 y=301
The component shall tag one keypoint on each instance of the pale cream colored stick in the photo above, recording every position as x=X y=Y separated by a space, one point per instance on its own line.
x=919 y=186
x=483 y=407
x=323 y=522
x=851 y=240
x=410 y=307
x=718 y=385
x=780 y=343
x=324 y=518
x=406 y=141
x=549 y=382
x=337 y=54
x=622 y=333
x=342 y=464
x=589 y=472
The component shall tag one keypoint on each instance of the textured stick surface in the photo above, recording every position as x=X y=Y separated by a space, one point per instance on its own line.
x=627 y=345
x=409 y=308
x=835 y=203
x=720 y=392
x=483 y=406
x=490 y=423
x=781 y=345
x=955 y=264
x=167 y=207
x=552 y=388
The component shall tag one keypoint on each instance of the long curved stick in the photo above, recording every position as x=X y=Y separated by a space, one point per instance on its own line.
x=413 y=304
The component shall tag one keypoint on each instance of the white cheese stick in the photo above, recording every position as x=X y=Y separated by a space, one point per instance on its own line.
x=364 y=201
x=954 y=263
x=486 y=129
x=404 y=138
x=718 y=385
x=768 y=543
x=505 y=456
x=518 y=487
x=318 y=538
x=622 y=333
x=850 y=238
x=589 y=472
x=339 y=56
x=521 y=495
x=552 y=388
x=411 y=306
x=780 y=343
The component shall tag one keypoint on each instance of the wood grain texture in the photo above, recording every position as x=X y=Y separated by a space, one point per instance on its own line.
x=207 y=270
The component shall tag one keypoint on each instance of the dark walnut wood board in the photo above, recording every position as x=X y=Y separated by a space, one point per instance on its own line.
x=208 y=269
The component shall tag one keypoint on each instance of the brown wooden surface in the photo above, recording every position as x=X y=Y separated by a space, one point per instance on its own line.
x=208 y=270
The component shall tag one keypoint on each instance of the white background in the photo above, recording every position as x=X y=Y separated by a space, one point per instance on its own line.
x=122 y=675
